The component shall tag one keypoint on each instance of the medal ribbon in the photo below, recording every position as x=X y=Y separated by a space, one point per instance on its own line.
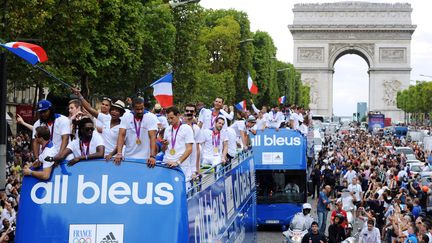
x=137 y=128
x=174 y=139
x=216 y=140
x=86 y=152
x=52 y=129
x=212 y=120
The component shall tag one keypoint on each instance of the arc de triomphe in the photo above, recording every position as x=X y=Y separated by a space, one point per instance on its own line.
x=380 y=33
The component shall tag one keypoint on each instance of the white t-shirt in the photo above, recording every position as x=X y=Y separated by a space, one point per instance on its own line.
x=162 y=120
x=208 y=142
x=192 y=160
x=232 y=142
x=48 y=151
x=61 y=127
x=356 y=189
x=184 y=136
x=304 y=129
x=274 y=119
x=350 y=175
x=148 y=123
x=98 y=122
x=109 y=134
x=260 y=124
x=238 y=126
x=295 y=117
x=208 y=120
x=79 y=149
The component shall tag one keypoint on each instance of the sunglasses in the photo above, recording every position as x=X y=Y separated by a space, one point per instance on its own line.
x=106 y=98
x=88 y=129
x=189 y=111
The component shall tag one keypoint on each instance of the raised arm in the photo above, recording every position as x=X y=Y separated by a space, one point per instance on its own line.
x=85 y=103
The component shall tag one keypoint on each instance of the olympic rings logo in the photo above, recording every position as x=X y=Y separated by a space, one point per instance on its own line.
x=82 y=240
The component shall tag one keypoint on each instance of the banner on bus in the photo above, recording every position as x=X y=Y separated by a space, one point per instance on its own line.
x=99 y=202
x=284 y=149
x=225 y=210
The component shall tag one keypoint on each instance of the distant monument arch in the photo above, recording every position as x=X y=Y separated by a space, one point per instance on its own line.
x=380 y=33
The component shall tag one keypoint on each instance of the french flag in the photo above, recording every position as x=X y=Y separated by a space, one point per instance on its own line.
x=162 y=90
x=241 y=106
x=282 y=99
x=251 y=86
x=32 y=53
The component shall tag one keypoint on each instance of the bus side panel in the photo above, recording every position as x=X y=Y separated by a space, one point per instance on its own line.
x=94 y=201
x=225 y=210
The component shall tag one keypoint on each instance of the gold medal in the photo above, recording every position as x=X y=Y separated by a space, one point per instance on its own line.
x=215 y=150
x=138 y=141
x=172 y=151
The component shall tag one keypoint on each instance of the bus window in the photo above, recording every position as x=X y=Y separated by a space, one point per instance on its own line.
x=280 y=186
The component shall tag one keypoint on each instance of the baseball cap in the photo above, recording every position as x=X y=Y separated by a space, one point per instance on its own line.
x=43 y=105
x=251 y=118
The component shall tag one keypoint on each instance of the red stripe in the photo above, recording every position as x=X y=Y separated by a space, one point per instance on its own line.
x=254 y=89
x=37 y=49
x=165 y=100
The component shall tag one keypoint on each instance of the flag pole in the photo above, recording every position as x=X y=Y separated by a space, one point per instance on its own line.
x=52 y=76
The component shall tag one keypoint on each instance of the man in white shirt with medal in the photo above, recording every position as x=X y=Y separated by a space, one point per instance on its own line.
x=137 y=133
x=89 y=144
x=214 y=144
x=207 y=117
x=177 y=143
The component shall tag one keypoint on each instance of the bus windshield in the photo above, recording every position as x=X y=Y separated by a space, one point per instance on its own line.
x=281 y=186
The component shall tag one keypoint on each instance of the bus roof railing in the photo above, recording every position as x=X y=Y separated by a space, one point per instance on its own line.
x=211 y=174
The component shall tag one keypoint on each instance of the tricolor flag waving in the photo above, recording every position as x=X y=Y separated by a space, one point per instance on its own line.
x=32 y=53
x=162 y=90
x=282 y=99
x=251 y=86
x=241 y=106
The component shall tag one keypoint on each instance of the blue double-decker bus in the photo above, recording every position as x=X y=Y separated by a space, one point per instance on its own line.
x=281 y=175
x=96 y=201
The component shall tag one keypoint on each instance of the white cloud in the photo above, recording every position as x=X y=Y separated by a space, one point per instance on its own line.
x=274 y=16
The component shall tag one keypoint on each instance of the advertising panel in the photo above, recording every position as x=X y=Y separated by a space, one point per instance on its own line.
x=283 y=149
x=99 y=202
x=225 y=211
x=375 y=121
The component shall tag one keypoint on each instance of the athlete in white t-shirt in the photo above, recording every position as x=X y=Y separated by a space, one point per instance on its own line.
x=88 y=146
x=275 y=118
x=177 y=143
x=109 y=124
x=207 y=117
x=195 y=156
x=58 y=125
x=214 y=144
x=138 y=134
x=47 y=149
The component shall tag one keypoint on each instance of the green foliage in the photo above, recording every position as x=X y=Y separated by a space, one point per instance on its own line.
x=416 y=99
x=116 y=48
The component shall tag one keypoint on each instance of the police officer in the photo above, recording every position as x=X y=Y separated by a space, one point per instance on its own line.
x=302 y=220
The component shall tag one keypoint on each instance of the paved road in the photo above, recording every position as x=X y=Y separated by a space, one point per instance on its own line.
x=274 y=234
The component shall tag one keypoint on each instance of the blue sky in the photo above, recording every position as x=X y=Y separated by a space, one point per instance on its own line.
x=350 y=78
